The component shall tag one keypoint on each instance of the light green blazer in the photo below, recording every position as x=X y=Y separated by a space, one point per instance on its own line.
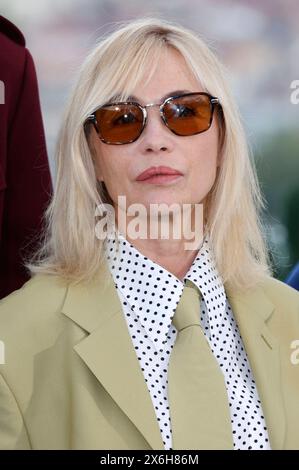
x=72 y=380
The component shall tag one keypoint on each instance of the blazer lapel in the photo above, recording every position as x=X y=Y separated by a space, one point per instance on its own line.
x=109 y=353
x=252 y=310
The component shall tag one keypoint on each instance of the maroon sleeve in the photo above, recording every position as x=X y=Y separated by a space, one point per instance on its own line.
x=26 y=179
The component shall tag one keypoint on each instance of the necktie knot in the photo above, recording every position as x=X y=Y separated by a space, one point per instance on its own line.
x=188 y=309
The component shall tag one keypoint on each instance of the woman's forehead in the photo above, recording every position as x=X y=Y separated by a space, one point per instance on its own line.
x=151 y=84
x=160 y=99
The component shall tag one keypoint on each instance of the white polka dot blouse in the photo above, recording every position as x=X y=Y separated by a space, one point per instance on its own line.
x=149 y=295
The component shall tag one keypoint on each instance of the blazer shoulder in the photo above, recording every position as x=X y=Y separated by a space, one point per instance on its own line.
x=39 y=298
x=11 y=31
x=279 y=291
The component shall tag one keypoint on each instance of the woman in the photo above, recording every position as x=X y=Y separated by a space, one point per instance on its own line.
x=88 y=339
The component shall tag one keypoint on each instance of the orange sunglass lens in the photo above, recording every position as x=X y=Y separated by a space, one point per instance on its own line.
x=119 y=123
x=189 y=115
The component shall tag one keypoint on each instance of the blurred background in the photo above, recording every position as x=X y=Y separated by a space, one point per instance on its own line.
x=257 y=40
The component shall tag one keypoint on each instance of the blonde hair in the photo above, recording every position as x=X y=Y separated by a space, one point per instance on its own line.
x=69 y=247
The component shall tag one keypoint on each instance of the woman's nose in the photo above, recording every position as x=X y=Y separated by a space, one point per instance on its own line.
x=156 y=136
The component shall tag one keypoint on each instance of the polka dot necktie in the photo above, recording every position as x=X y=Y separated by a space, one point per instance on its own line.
x=198 y=401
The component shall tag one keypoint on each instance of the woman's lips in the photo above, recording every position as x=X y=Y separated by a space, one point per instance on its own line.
x=158 y=175
x=160 y=179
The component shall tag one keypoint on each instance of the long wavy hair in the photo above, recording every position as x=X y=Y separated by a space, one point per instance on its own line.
x=68 y=245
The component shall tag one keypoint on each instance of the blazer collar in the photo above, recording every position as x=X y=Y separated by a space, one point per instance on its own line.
x=108 y=351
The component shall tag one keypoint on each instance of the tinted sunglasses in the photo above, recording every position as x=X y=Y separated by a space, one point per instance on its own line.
x=123 y=122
